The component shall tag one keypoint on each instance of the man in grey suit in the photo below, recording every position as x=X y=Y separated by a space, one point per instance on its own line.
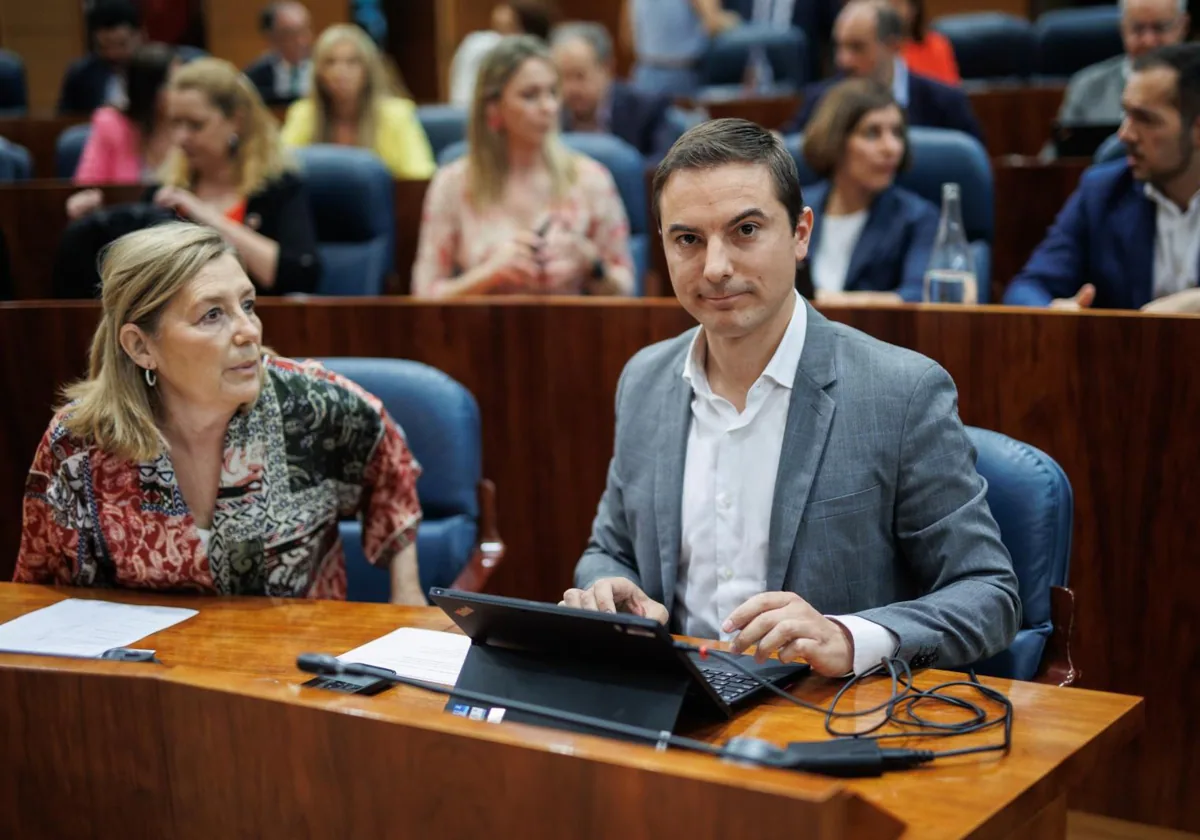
x=1093 y=95
x=778 y=479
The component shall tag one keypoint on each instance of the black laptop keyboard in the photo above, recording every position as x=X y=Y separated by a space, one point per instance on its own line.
x=731 y=686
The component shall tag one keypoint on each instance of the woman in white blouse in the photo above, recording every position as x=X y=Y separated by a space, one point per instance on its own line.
x=871 y=239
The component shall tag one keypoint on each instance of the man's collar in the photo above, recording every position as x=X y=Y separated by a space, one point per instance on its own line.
x=900 y=81
x=781 y=368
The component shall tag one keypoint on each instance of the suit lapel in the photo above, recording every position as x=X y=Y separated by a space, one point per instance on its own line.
x=1140 y=240
x=674 y=419
x=875 y=237
x=810 y=414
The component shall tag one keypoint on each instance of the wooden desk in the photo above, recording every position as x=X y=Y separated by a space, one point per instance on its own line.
x=39 y=134
x=243 y=650
x=1108 y=396
x=1017 y=119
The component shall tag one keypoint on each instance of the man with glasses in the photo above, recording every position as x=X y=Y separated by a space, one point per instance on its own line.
x=1093 y=95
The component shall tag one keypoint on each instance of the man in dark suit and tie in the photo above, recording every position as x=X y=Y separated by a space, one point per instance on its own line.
x=594 y=101
x=867 y=37
x=282 y=75
x=114 y=30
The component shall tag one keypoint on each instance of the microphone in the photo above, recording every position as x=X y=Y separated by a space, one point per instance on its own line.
x=320 y=663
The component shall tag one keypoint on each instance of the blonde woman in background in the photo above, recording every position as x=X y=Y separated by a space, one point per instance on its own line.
x=521 y=213
x=191 y=458
x=352 y=102
x=229 y=171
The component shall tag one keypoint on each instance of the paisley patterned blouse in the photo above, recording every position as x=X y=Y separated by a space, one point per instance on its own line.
x=315 y=448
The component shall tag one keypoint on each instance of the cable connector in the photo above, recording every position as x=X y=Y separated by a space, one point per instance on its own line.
x=849 y=757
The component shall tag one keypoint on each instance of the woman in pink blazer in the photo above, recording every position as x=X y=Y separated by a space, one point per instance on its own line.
x=128 y=144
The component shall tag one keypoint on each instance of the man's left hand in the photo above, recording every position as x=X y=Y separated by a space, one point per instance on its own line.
x=785 y=622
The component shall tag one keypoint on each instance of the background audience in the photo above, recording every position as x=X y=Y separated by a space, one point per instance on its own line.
x=352 y=103
x=127 y=144
x=520 y=212
x=1129 y=237
x=668 y=38
x=871 y=240
x=283 y=75
x=925 y=52
x=113 y=32
x=594 y=101
x=868 y=36
x=520 y=17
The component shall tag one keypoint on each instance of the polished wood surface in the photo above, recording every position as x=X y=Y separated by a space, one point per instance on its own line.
x=243 y=651
x=48 y=35
x=38 y=133
x=1106 y=394
x=1029 y=195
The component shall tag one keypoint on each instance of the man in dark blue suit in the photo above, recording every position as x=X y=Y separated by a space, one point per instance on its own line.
x=114 y=30
x=867 y=36
x=1129 y=237
x=594 y=101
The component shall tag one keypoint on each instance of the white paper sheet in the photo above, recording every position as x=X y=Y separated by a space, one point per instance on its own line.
x=80 y=627
x=428 y=655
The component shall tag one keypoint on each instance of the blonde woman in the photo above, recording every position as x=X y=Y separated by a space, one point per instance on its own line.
x=192 y=459
x=229 y=171
x=352 y=103
x=520 y=213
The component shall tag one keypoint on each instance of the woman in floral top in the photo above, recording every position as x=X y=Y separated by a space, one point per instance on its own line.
x=520 y=213
x=191 y=459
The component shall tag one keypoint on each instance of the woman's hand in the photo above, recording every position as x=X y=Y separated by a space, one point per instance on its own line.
x=514 y=264
x=84 y=202
x=185 y=204
x=567 y=259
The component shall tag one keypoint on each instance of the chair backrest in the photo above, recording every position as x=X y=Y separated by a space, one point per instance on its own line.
x=440 y=419
x=990 y=45
x=187 y=54
x=68 y=149
x=785 y=48
x=444 y=125
x=16 y=164
x=628 y=169
x=1071 y=39
x=1111 y=149
x=14 y=93
x=1031 y=500
x=350 y=193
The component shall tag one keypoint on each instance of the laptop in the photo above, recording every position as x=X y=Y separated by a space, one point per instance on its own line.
x=1081 y=140
x=619 y=667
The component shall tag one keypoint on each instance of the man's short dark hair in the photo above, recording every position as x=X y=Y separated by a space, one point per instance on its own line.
x=1184 y=59
x=733 y=141
x=109 y=14
x=535 y=17
x=266 y=18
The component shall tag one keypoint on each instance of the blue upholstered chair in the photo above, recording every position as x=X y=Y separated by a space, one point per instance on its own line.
x=628 y=169
x=990 y=45
x=444 y=125
x=14 y=93
x=457 y=541
x=350 y=192
x=1111 y=149
x=1071 y=39
x=1031 y=499
x=187 y=54
x=68 y=149
x=939 y=156
x=785 y=48
x=16 y=164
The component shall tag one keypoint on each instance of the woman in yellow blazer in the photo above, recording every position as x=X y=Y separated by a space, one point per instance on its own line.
x=352 y=103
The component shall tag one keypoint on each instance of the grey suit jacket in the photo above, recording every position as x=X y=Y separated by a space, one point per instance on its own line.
x=1093 y=95
x=878 y=509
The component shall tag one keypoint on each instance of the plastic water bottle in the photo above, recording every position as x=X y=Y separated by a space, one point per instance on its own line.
x=950 y=276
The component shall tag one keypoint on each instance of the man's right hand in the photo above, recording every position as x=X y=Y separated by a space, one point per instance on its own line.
x=615 y=594
x=1082 y=300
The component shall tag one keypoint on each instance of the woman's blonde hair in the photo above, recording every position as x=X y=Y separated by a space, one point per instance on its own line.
x=259 y=155
x=487 y=149
x=140 y=274
x=838 y=114
x=379 y=85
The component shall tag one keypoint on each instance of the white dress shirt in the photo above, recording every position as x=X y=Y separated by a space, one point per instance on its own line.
x=835 y=247
x=900 y=82
x=291 y=80
x=728 y=486
x=1176 y=244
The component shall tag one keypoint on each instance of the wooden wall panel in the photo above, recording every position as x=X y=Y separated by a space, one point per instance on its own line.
x=49 y=36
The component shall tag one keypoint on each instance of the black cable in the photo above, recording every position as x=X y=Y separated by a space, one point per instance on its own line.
x=899 y=707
